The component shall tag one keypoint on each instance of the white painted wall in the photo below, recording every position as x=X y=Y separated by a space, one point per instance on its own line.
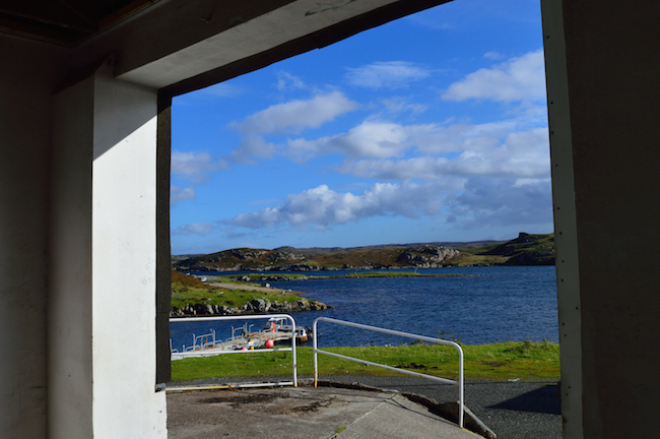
x=103 y=292
x=124 y=263
x=24 y=145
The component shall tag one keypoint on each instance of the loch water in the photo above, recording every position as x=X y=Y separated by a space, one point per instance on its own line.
x=481 y=305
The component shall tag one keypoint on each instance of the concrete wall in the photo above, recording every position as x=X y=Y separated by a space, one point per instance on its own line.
x=102 y=332
x=25 y=86
x=77 y=270
x=614 y=91
x=608 y=130
x=124 y=262
x=70 y=262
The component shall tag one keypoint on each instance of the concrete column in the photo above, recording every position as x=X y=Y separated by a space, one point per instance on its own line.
x=604 y=113
x=102 y=313
x=563 y=190
x=25 y=97
x=164 y=248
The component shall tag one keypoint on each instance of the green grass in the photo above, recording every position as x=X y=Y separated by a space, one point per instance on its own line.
x=188 y=290
x=226 y=297
x=474 y=259
x=526 y=361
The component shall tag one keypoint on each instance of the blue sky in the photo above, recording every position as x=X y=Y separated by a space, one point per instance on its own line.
x=429 y=128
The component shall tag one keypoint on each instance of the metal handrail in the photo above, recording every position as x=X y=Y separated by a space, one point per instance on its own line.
x=401 y=334
x=247 y=317
x=205 y=344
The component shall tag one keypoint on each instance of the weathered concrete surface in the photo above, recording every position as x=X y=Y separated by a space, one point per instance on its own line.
x=303 y=413
x=398 y=417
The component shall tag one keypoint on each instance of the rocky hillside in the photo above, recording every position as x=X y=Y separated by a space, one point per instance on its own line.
x=526 y=249
x=282 y=259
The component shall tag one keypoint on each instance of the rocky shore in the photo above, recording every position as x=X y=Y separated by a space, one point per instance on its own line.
x=257 y=306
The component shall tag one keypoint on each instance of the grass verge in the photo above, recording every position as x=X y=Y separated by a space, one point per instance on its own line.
x=526 y=361
x=188 y=290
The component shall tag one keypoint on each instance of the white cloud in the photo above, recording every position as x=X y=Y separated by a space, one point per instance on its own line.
x=287 y=81
x=194 y=167
x=392 y=74
x=222 y=90
x=519 y=79
x=501 y=202
x=381 y=140
x=294 y=116
x=521 y=155
x=374 y=139
x=324 y=207
x=193 y=229
x=251 y=147
x=493 y=55
x=178 y=194
x=397 y=105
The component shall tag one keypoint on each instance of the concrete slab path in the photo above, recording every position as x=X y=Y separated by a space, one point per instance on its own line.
x=303 y=413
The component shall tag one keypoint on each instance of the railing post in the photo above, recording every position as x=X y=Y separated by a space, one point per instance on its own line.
x=293 y=352
x=461 y=402
x=315 y=346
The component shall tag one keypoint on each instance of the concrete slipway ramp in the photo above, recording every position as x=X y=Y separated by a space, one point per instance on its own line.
x=303 y=413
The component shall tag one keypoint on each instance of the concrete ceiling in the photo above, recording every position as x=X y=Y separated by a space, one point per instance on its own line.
x=178 y=46
x=65 y=22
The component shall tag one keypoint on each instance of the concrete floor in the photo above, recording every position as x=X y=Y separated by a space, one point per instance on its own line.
x=303 y=413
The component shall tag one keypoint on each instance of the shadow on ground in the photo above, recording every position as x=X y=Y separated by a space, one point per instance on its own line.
x=542 y=400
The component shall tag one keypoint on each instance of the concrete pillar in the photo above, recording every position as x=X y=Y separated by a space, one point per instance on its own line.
x=603 y=96
x=102 y=309
x=25 y=96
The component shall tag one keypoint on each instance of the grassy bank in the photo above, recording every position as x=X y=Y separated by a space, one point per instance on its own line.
x=189 y=290
x=526 y=361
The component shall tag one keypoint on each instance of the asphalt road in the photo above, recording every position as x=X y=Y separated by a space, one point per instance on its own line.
x=513 y=410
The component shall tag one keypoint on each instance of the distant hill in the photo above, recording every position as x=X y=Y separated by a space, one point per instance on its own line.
x=525 y=250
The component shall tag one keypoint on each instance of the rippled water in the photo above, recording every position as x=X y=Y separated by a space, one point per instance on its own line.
x=489 y=304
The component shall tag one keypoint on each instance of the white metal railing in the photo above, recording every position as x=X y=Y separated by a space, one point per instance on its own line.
x=401 y=334
x=201 y=342
x=209 y=351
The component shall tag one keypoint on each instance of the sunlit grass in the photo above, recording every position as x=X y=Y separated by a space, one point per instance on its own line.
x=526 y=361
x=189 y=290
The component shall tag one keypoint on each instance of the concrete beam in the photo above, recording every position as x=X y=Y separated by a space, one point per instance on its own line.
x=247 y=39
x=174 y=41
